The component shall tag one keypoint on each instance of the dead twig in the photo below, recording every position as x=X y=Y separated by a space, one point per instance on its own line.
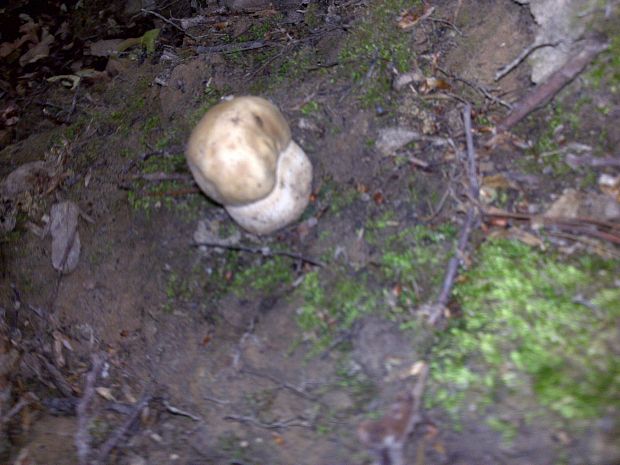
x=504 y=70
x=386 y=437
x=550 y=220
x=177 y=411
x=172 y=23
x=603 y=230
x=82 y=435
x=437 y=310
x=474 y=187
x=216 y=401
x=265 y=251
x=74 y=101
x=238 y=47
x=596 y=162
x=59 y=380
x=291 y=422
x=283 y=384
x=166 y=152
x=447 y=23
x=24 y=401
x=435 y=211
x=477 y=87
x=117 y=436
x=173 y=193
x=544 y=92
x=160 y=176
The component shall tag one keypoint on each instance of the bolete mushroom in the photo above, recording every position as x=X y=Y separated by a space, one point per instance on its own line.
x=242 y=156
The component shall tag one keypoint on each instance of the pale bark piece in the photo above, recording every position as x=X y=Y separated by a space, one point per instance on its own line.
x=65 y=237
x=25 y=177
x=390 y=140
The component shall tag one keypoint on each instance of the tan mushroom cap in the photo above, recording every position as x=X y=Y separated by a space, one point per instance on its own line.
x=234 y=149
x=242 y=156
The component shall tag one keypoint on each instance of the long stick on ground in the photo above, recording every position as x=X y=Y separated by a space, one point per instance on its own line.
x=82 y=436
x=115 y=438
x=542 y=93
x=437 y=310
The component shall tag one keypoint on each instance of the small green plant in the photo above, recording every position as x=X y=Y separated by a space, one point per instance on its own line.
x=151 y=123
x=607 y=66
x=177 y=290
x=412 y=258
x=234 y=447
x=311 y=16
x=266 y=277
x=332 y=305
x=309 y=108
x=356 y=384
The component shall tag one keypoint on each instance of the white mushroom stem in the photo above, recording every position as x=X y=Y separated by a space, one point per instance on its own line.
x=287 y=200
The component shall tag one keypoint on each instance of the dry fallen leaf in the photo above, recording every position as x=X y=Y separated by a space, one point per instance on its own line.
x=65 y=237
x=278 y=439
x=29 y=31
x=9 y=115
x=409 y=18
x=430 y=84
x=105 y=392
x=40 y=50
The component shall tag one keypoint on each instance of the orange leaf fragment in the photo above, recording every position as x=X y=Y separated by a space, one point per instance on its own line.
x=409 y=18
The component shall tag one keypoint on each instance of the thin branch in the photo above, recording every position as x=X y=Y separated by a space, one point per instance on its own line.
x=477 y=87
x=24 y=401
x=74 y=101
x=232 y=48
x=606 y=231
x=161 y=176
x=216 y=401
x=117 y=436
x=597 y=162
x=474 y=187
x=59 y=380
x=173 y=24
x=177 y=411
x=435 y=211
x=386 y=437
x=296 y=390
x=265 y=251
x=437 y=310
x=82 y=435
x=504 y=70
x=453 y=264
x=544 y=92
x=275 y=425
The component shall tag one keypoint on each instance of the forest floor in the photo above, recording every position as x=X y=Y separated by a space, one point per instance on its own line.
x=290 y=348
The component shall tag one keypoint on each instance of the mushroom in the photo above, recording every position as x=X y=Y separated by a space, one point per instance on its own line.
x=242 y=156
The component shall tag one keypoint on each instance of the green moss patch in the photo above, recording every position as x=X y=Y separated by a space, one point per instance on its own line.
x=332 y=304
x=374 y=45
x=534 y=327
